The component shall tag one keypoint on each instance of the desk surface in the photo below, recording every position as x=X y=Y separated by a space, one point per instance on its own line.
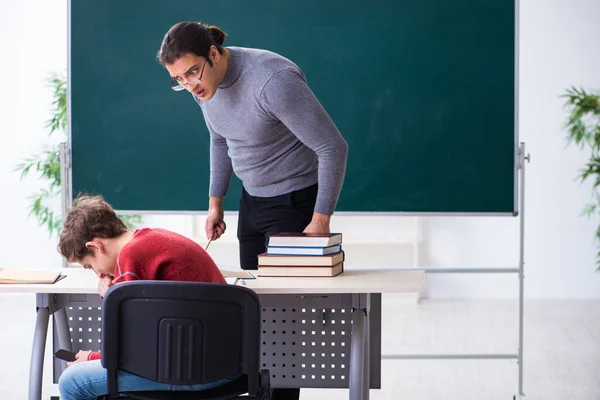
x=79 y=280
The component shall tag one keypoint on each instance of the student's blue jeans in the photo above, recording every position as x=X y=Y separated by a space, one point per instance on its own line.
x=87 y=380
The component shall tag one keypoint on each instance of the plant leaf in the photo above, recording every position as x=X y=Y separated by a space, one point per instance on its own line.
x=583 y=130
x=47 y=166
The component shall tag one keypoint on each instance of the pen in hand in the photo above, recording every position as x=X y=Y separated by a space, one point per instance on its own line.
x=207 y=244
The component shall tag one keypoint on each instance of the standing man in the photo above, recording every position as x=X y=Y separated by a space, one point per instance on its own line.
x=267 y=126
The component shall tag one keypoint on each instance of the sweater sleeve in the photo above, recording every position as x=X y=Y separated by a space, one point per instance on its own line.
x=287 y=97
x=221 y=169
x=128 y=266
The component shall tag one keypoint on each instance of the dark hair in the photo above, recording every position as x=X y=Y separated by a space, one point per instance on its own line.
x=190 y=37
x=90 y=217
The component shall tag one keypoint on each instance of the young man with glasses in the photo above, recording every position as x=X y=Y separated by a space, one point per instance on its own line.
x=267 y=126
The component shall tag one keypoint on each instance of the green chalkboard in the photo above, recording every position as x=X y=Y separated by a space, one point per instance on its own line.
x=423 y=91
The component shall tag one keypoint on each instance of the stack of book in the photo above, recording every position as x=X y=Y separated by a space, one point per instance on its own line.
x=302 y=254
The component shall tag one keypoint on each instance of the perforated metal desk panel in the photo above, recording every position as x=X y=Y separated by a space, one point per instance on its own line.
x=305 y=338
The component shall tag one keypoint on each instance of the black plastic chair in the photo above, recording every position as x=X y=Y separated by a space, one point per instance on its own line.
x=184 y=333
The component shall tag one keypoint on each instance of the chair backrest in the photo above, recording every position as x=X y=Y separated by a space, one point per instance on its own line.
x=181 y=333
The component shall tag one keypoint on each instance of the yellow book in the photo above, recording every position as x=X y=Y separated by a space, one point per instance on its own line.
x=8 y=276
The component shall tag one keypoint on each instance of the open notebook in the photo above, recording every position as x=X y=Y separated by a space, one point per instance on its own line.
x=231 y=277
x=8 y=276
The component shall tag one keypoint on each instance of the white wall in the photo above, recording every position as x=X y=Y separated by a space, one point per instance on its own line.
x=559 y=48
x=33 y=42
x=560 y=249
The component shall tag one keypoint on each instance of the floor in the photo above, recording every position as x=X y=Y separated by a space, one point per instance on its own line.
x=562 y=350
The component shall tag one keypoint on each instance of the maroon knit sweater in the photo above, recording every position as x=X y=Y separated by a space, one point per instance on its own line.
x=161 y=255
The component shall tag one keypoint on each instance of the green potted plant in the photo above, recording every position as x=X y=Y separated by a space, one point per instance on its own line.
x=45 y=204
x=583 y=125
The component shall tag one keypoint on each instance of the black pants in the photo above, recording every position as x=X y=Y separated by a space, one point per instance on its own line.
x=260 y=216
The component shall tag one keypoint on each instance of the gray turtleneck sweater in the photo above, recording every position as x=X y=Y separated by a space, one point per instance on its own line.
x=267 y=126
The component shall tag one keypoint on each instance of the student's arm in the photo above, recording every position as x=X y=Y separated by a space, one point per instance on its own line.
x=221 y=172
x=124 y=272
x=104 y=284
x=287 y=97
x=85 y=355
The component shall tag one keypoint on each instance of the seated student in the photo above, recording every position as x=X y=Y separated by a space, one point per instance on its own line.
x=96 y=238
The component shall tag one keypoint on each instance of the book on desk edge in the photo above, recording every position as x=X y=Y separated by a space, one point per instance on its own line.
x=328 y=260
x=304 y=250
x=304 y=271
x=24 y=276
x=304 y=239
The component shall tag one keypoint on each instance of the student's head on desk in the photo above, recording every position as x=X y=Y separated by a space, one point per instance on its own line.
x=93 y=235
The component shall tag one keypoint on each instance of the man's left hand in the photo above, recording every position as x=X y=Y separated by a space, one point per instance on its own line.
x=319 y=224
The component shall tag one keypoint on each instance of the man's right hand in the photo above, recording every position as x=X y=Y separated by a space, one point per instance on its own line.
x=215 y=224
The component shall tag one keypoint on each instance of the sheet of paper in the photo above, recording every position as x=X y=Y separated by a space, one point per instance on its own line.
x=231 y=280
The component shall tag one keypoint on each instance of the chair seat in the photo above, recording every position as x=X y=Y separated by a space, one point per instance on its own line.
x=228 y=391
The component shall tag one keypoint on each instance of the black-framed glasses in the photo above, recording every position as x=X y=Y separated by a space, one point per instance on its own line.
x=191 y=79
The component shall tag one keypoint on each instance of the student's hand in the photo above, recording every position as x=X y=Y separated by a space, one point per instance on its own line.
x=215 y=225
x=81 y=356
x=103 y=284
x=318 y=224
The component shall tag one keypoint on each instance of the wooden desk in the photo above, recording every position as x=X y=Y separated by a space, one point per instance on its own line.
x=80 y=281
